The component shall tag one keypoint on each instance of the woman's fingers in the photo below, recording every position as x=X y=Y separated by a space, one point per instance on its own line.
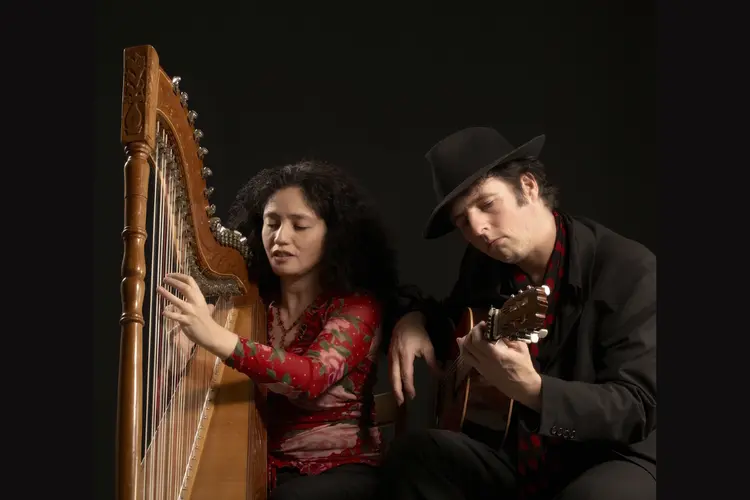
x=172 y=299
x=186 y=285
x=176 y=316
x=182 y=278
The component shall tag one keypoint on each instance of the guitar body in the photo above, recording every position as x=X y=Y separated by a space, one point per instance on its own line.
x=455 y=388
x=520 y=318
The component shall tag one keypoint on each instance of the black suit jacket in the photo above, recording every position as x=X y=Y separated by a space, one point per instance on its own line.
x=598 y=365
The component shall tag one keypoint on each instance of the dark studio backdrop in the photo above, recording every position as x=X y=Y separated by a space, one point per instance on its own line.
x=373 y=96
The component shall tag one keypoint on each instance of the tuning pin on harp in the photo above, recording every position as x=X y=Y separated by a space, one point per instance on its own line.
x=206 y=172
x=202 y=152
x=176 y=84
x=197 y=135
x=208 y=192
x=214 y=223
x=192 y=116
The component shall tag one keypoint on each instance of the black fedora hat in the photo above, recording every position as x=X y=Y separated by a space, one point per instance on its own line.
x=460 y=159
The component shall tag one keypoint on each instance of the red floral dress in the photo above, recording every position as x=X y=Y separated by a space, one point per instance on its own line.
x=319 y=376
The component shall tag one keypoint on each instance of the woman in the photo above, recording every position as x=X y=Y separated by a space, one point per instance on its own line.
x=328 y=276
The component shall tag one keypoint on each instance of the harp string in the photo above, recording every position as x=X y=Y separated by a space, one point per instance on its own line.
x=158 y=457
x=155 y=372
x=172 y=412
x=180 y=267
x=176 y=413
x=167 y=328
x=153 y=361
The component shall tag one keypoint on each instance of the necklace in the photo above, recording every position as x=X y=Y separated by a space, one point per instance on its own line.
x=303 y=328
x=281 y=323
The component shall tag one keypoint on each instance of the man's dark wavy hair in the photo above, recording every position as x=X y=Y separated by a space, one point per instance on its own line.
x=357 y=255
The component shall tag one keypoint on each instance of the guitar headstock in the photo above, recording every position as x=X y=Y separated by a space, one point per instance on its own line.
x=521 y=317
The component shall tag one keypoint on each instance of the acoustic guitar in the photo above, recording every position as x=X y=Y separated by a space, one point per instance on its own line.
x=520 y=318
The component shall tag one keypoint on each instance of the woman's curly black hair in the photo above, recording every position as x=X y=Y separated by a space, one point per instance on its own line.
x=357 y=255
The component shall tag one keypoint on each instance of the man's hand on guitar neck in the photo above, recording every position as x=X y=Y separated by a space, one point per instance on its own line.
x=506 y=364
x=409 y=341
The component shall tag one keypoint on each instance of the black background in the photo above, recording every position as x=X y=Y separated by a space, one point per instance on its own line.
x=373 y=92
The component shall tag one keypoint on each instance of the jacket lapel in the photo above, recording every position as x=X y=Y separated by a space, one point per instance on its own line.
x=580 y=260
x=566 y=321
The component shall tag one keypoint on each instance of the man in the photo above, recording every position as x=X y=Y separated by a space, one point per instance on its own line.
x=584 y=422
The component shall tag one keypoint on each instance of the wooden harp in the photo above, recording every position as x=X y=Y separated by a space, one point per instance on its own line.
x=188 y=427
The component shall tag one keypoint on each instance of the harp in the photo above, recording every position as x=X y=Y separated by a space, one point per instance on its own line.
x=188 y=426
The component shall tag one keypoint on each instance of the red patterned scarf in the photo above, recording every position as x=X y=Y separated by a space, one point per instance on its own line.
x=534 y=458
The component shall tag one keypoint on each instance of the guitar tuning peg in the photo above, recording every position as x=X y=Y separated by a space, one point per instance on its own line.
x=534 y=338
x=546 y=289
x=542 y=333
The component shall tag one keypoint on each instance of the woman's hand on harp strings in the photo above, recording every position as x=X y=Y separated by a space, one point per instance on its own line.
x=193 y=315
x=505 y=364
x=180 y=347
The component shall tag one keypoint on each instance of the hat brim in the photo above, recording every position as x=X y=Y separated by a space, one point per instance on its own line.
x=439 y=223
